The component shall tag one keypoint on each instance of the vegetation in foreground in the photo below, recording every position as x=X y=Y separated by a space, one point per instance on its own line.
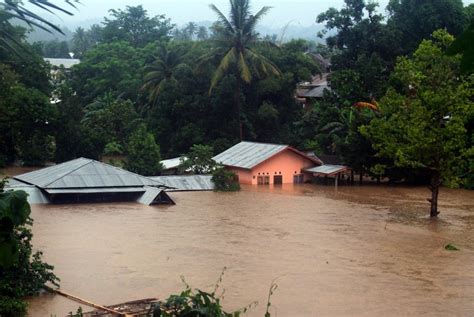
x=22 y=272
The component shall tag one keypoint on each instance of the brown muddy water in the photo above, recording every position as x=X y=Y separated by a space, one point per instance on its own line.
x=358 y=251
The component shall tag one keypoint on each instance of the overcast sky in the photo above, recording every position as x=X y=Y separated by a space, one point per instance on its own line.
x=298 y=12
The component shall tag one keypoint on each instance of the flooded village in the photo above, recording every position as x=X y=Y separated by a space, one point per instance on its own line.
x=237 y=158
x=346 y=250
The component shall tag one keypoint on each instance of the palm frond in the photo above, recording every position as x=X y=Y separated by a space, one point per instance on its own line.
x=265 y=66
x=224 y=65
x=222 y=18
x=245 y=73
x=253 y=20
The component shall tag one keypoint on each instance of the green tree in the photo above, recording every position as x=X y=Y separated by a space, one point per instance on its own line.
x=224 y=180
x=114 y=67
x=167 y=59
x=424 y=114
x=234 y=40
x=198 y=160
x=22 y=272
x=107 y=120
x=143 y=154
x=415 y=20
x=134 y=26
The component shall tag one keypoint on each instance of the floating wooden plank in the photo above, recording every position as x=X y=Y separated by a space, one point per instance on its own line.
x=83 y=301
x=137 y=308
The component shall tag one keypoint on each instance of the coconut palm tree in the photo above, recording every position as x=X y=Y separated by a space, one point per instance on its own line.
x=235 y=37
x=168 y=58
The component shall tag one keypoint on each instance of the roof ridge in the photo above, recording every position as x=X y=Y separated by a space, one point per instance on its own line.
x=75 y=169
x=127 y=171
x=256 y=142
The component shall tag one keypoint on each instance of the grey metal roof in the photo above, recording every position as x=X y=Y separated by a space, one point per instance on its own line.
x=316 y=92
x=152 y=195
x=327 y=169
x=186 y=182
x=95 y=190
x=171 y=163
x=66 y=62
x=84 y=173
x=248 y=154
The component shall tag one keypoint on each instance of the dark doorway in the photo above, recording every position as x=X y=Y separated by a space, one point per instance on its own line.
x=277 y=179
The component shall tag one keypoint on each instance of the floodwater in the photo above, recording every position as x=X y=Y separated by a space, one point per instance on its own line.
x=357 y=251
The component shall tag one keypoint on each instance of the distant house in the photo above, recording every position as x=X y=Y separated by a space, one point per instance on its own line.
x=67 y=63
x=263 y=163
x=306 y=92
x=171 y=166
x=86 y=180
x=309 y=91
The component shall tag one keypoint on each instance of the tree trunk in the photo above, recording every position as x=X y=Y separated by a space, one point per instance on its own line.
x=237 y=106
x=434 y=187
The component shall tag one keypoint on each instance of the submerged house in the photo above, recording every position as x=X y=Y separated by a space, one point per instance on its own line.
x=87 y=180
x=264 y=163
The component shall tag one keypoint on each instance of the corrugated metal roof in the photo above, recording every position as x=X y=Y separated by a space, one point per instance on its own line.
x=152 y=195
x=186 y=182
x=171 y=163
x=66 y=62
x=248 y=154
x=84 y=173
x=316 y=92
x=95 y=190
x=327 y=169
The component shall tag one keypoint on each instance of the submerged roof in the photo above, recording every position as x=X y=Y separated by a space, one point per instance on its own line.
x=153 y=195
x=249 y=154
x=186 y=182
x=84 y=173
x=327 y=169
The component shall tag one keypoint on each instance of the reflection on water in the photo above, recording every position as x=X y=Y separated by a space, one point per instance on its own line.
x=360 y=251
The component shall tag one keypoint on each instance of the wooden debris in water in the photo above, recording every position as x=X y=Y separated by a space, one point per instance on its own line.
x=137 y=308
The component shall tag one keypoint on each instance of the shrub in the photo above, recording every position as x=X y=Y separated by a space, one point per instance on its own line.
x=22 y=273
x=225 y=180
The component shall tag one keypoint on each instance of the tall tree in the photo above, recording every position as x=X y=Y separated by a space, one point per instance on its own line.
x=135 y=26
x=167 y=59
x=415 y=20
x=424 y=116
x=234 y=41
x=143 y=154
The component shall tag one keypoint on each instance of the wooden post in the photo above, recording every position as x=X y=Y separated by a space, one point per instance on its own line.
x=352 y=177
x=336 y=180
x=360 y=178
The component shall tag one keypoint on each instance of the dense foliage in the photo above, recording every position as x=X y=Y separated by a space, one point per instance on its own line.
x=425 y=114
x=22 y=272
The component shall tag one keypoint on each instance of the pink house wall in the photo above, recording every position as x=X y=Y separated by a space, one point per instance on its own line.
x=285 y=163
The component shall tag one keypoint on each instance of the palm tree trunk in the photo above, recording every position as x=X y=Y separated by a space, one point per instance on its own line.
x=237 y=106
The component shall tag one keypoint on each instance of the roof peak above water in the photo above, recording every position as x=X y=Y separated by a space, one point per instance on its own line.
x=84 y=173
